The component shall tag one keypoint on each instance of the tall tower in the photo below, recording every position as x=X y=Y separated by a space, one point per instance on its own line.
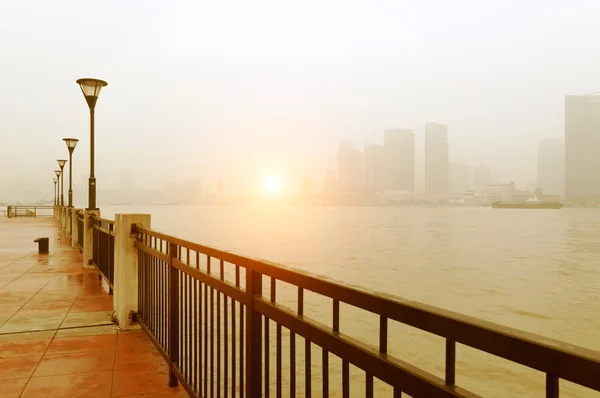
x=582 y=148
x=399 y=159
x=436 y=157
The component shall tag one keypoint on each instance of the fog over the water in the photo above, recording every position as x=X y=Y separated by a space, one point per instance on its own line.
x=244 y=90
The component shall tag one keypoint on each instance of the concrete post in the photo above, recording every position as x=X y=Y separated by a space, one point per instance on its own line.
x=64 y=219
x=125 y=298
x=74 y=226
x=69 y=223
x=88 y=236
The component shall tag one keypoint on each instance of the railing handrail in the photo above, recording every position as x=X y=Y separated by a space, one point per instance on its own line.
x=553 y=357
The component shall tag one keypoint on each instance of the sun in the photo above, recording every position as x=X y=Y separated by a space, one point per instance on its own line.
x=272 y=185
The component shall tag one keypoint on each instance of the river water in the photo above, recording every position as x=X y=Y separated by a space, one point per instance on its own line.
x=535 y=270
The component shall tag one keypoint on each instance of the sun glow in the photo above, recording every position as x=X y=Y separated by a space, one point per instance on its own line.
x=272 y=185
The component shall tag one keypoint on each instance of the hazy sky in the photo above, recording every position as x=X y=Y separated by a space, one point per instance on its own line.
x=252 y=88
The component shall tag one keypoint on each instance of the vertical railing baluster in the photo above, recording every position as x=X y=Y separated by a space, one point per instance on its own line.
x=219 y=343
x=345 y=379
x=199 y=336
x=279 y=360
x=450 y=362
x=173 y=312
x=225 y=347
x=242 y=352
x=551 y=386
x=336 y=316
x=307 y=369
x=300 y=301
x=325 y=370
x=292 y=364
x=383 y=334
x=253 y=335
x=397 y=392
x=194 y=305
x=212 y=343
x=266 y=361
x=184 y=326
x=205 y=340
x=233 y=349
x=181 y=322
x=369 y=386
x=190 y=338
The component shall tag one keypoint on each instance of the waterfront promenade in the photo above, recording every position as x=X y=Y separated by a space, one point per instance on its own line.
x=57 y=337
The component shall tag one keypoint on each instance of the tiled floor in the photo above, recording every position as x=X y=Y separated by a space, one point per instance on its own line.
x=57 y=338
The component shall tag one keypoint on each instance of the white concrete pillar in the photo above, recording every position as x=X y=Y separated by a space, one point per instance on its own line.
x=125 y=300
x=74 y=230
x=88 y=237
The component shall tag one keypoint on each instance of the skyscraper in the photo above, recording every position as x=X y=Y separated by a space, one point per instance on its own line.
x=399 y=159
x=374 y=168
x=551 y=166
x=436 y=157
x=582 y=148
x=459 y=177
x=350 y=168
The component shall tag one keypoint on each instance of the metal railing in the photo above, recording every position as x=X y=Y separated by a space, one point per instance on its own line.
x=80 y=225
x=29 y=211
x=103 y=235
x=215 y=332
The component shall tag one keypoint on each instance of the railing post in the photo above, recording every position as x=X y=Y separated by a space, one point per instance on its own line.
x=69 y=222
x=63 y=222
x=89 y=217
x=74 y=229
x=125 y=298
x=253 y=336
x=173 y=315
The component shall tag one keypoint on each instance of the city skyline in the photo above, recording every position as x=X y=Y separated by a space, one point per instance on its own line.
x=247 y=92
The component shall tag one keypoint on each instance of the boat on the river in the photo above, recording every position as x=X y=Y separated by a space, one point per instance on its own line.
x=525 y=205
x=532 y=203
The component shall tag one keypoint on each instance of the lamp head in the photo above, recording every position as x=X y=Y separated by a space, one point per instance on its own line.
x=91 y=90
x=71 y=143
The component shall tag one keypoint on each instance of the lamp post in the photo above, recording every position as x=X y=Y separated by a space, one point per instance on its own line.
x=57 y=172
x=61 y=164
x=55 y=198
x=71 y=144
x=91 y=89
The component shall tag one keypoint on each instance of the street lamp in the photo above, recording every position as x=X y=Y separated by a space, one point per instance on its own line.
x=61 y=164
x=57 y=172
x=91 y=89
x=71 y=144
x=55 y=198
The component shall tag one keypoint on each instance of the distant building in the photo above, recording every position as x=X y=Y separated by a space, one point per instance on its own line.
x=582 y=148
x=399 y=159
x=459 y=177
x=374 y=168
x=350 y=168
x=482 y=176
x=551 y=166
x=436 y=157
x=499 y=192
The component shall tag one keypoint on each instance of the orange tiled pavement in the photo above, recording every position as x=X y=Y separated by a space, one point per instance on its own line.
x=56 y=334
